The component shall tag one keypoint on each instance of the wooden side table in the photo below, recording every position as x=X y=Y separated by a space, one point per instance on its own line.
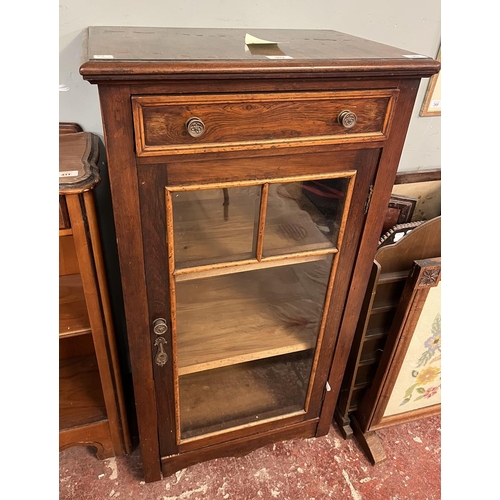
x=91 y=400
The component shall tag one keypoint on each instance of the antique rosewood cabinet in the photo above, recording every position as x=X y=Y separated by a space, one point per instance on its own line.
x=249 y=185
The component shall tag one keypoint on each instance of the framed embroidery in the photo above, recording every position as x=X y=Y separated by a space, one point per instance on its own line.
x=407 y=385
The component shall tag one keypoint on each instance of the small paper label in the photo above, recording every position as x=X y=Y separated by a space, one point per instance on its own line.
x=103 y=56
x=415 y=56
x=69 y=173
x=436 y=103
x=253 y=40
x=279 y=57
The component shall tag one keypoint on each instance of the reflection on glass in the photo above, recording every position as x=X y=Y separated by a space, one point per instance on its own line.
x=237 y=332
x=304 y=216
x=214 y=225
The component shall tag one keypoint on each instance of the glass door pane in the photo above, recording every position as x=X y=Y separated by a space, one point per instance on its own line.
x=245 y=343
x=244 y=393
x=214 y=225
x=304 y=216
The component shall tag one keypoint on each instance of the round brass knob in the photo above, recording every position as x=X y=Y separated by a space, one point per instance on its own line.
x=347 y=118
x=160 y=326
x=195 y=127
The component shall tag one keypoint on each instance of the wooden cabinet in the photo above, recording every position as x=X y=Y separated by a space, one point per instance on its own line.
x=249 y=185
x=91 y=404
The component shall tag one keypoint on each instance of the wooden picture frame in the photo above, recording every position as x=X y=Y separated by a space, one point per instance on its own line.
x=406 y=386
x=399 y=211
x=431 y=105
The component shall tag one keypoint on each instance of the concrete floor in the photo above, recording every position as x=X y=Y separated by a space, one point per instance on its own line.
x=299 y=469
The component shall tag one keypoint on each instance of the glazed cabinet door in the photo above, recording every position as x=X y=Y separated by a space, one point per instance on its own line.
x=247 y=274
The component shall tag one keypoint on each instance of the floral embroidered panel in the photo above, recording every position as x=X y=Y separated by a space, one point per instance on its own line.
x=418 y=384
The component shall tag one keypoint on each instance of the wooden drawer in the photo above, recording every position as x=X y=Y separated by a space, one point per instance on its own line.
x=258 y=121
x=63 y=214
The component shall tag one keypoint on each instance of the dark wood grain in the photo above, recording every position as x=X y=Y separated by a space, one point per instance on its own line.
x=117 y=119
x=157 y=275
x=128 y=53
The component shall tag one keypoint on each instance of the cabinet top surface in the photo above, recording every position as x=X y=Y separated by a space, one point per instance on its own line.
x=111 y=49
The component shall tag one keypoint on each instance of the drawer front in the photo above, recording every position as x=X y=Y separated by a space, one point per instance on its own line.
x=258 y=121
x=63 y=214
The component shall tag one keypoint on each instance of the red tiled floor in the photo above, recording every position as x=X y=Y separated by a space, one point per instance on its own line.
x=299 y=469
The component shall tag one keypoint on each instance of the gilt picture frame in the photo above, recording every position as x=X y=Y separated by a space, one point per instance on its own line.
x=431 y=105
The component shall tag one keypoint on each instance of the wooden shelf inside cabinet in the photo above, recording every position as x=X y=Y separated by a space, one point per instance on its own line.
x=273 y=310
x=390 y=271
x=91 y=399
x=81 y=401
x=73 y=315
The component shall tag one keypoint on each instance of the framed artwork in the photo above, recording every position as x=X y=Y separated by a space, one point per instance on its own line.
x=407 y=384
x=399 y=211
x=432 y=99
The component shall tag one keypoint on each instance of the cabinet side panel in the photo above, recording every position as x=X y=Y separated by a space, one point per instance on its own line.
x=117 y=120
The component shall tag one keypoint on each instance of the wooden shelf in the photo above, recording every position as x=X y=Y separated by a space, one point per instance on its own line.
x=382 y=308
x=243 y=394
x=235 y=318
x=65 y=232
x=81 y=400
x=392 y=277
x=73 y=315
x=248 y=265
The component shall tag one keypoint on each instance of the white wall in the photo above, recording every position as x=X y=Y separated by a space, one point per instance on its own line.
x=414 y=26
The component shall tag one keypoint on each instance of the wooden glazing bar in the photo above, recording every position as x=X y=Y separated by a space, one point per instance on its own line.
x=191 y=273
x=275 y=180
x=262 y=220
x=171 y=280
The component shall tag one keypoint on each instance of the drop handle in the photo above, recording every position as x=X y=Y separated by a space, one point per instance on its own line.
x=161 y=356
x=347 y=118
x=195 y=126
